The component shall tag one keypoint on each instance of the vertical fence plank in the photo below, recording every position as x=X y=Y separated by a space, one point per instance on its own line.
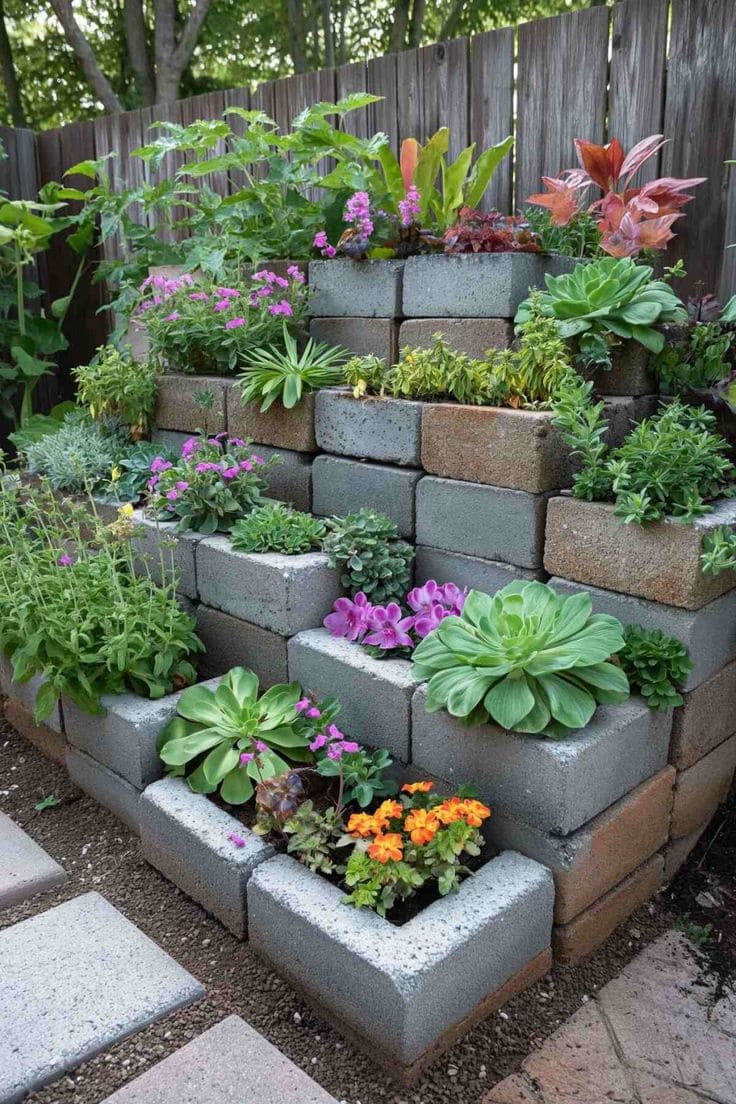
x=445 y=91
x=638 y=64
x=237 y=97
x=492 y=107
x=699 y=111
x=562 y=77
x=410 y=95
x=383 y=81
x=349 y=79
x=727 y=285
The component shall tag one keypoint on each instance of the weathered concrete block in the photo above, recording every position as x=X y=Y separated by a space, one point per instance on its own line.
x=165 y=553
x=473 y=336
x=700 y=789
x=405 y=990
x=660 y=561
x=137 y=338
x=360 y=336
x=553 y=785
x=467 y=571
x=187 y=837
x=494 y=523
x=49 y=743
x=25 y=693
x=211 y=1070
x=677 y=852
x=183 y=403
x=363 y=289
x=592 y=860
x=230 y=642
x=106 y=787
x=698 y=727
x=289 y=429
x=629 y=373
x=291 y=480
x=388 y=430
x=74 y=980
x=475 y=285
x=709 y=633
x=25 y=868
x=573 y=941
x=342 y=486
x=283 y=593
x=171 y=438
x=375 y=694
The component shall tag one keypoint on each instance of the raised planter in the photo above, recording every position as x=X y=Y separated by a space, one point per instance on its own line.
x=473 y=336
x=340 y=485
x=472 y=572
x=629 y=373
x=406 y=993
x=360 y=336
x=660 y=561
x=361 y=289
x=388 y=430
x=553 y=785
x=177 y=406
x=475 y=285
x=107 y=787
x=288 y=429
x=25 y=693
x=698 y=727
x=187 y=837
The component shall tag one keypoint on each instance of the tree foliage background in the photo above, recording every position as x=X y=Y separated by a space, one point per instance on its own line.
x=241 y=42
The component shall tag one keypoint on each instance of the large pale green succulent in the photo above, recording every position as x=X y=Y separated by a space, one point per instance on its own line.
x=525 y=658
x=603 y=300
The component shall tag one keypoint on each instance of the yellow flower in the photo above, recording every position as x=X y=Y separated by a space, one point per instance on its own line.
x=417 y=787
x=115 y=474
x=386 y=811
x=125 y=511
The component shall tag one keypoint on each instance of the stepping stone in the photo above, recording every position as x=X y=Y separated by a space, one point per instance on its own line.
x=73 y=981
x=25 y=868
x=229 y=1064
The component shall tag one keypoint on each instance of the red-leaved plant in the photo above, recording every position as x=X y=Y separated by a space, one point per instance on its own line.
x=629 y=219
x=489 y=232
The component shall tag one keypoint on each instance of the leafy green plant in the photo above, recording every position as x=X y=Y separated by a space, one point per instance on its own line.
x=656 y=665
x=229 y=739
x=47 y=802
x=705 y=356
x=719 y=551
x=579 y=237
x=524 y=658
x=367 y=375
x=131 y=473
x=362 y=775
x=272 y=373
x=276 y=527
x=372 y=559
x=117 y=385
x=314 y=835
x=606 y=300
x=79 y=456
x=440 y=372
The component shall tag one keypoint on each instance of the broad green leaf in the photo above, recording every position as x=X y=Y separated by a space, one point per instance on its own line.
x=570 y=705
x=197 y=703
x=509 y=701
x=237 y=787
x=220 y=761
x=483 y=170
x=176 y=753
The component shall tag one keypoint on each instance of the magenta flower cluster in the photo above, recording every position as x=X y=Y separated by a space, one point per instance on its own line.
x=358 y=212
x=319 y=241
x=410 y=206
x=388 y=627
x=227 y=469
x=331 y=741
x=276 y=294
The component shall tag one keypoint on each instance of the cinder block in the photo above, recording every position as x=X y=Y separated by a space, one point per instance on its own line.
x=283 y=593
x=375 y=694
x=660 y=561
x=182 y=403
x=288 y=429
x=406 y=991
x=677 y=852
x=171 y=438
x=698 y=727
x=342 y=486
x=363 y=289
x=49 y=743
x=700 y=789
x=493 y=523
x=467 y=571
x=25 y=693
x=475 y=285
x=291 y=480
x=360 y=336
x=106 y=787
x=553 y=785
x=230 y=642
x=592 y=860
x=137 y=338
x=573 y=941
x=629 y=373
x=388 y=430
x=165 y=553
x=187 y=837
x=709 y=633
x=473 y=336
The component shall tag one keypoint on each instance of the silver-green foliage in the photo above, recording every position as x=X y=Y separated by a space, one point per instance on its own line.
x=79 y=456
x=276 y=527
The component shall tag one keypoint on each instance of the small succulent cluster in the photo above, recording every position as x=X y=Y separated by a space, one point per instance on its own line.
x=656 y=665
x=372 y=559
x=276 y=527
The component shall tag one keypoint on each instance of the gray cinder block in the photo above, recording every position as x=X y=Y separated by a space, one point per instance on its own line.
x=105 y=786
x=341 y=486
x=363 y=289
x=387 y=430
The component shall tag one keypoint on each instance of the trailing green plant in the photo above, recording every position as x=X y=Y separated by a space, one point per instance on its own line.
x=441 y=372
x=525 y=658
x=276 y=527
x=371 y=557
x=229 y=739
x=80 y=608
x=579 y=237
x=115 y=384
x=656 y=665
x=604 y=301
x=367 y=375
x=80 y=455
x=719 y=551
x=271 y=373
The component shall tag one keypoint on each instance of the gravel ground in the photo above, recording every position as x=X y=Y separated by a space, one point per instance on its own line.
x=100 y=854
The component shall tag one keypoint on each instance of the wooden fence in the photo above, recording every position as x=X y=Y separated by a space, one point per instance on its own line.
x=641 y=67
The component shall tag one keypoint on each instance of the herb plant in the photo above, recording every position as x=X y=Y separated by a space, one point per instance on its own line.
x=372 y=559
x=276 y=527
x=79 y=456
x=367 y=375
x=719 y=551
x=578 y=237
x=271 y=373
x=656 y=665
x=117 y=385
x=524 y=658
x=705 y=356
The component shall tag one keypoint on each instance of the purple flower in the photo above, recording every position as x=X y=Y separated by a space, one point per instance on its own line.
x=230 y=473
x=264 y=274
x=253 y=299
x=172 y=495
x=329 y=251
x=260 y=746
x=349 y=617
x=237 y=441
x=334 y=751
x=246 y=465
x=182 y=485
x=199 y=296
x=284 y=307
x=173 y=317
x=296 y=274
x=313 y=712
x=255 y=459
x=279 y=281
x=237 y=840
x=206 y=465
x=152 y=482
x=158 y=465
x=388 y=628
x=264 y=292
x=234 y=323
x=409 y=207
x=221 y=305
x=357 y=207
x=318 y=742
x=319 y=241
x=228 y=293
x=334 y=732
x=65 y=560
x=302 y=704
x=428 y=620
x=247 y=757
x=453 y=597
x=422 y=598
x=350 y=746
x=190 y=446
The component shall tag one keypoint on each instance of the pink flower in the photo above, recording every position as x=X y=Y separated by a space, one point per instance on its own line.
x=255 y=459
x=205 y=466
x=350 y=746
x=228 y=293
x=190 y=446
x=334 y=732
x=230 y=473
x=172 y=495
x=264 y=292
x=319 y=241
x=349 y=617
x=264 y=274
x=221 y=305
x=329 y=251
x=422 y=598
x=234 y=323
x=237 y=840
x=427 y=621
x=247 y=757
x=296 y=273
x=215 y=441
x=65 y=560
x=182 y=485
x=284 y=307
x=409 y=207
x=357 y=207
x=151 y=484
x=245 y=465
x=158 y=465
x=388 y=628
x=173 y=317
x=302 y=704
x=318 y=742
x=199 y=296
x=313 y=713
x=279 y=281
x=452 y=597
x=260 y=746
x=334 y=751
x=237 y=441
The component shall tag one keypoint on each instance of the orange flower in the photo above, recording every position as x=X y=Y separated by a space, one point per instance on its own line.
x=386 y=811
x=422 y=825
x=449 y=811
x=387 y=848
x=475 y=812
x=362 y=825
x=417 y=787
